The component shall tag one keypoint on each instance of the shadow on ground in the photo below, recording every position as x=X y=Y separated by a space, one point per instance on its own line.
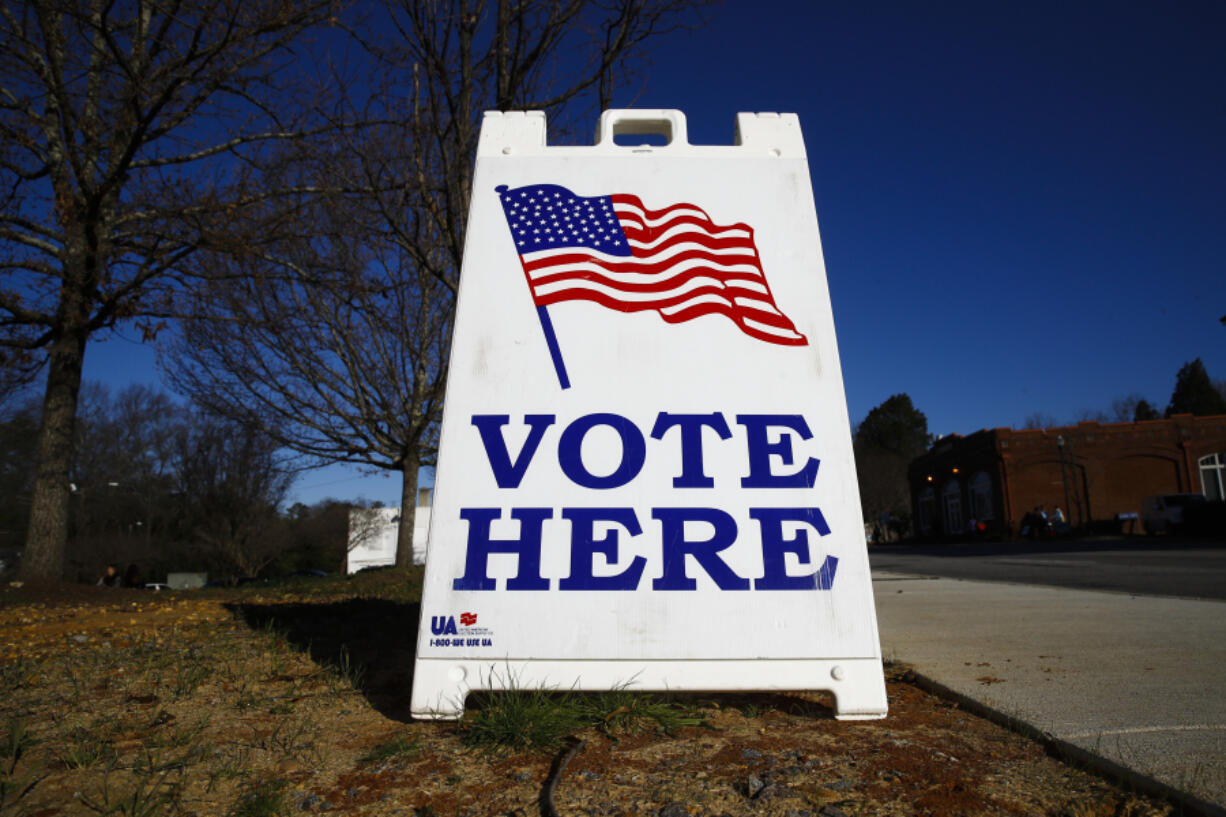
x=374 y=635
x=379 y=637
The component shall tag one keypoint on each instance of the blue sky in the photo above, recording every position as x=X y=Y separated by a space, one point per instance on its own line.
x=1022 y=205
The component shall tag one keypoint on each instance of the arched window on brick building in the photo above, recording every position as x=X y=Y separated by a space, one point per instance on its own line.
x=981 y=497
x=951 y=498
x=927 y=509
x=1213 y=476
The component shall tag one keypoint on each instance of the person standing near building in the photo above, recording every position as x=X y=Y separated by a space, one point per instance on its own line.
x=132 y=577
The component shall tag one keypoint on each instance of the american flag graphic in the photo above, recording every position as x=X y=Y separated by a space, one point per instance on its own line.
x=615 y=251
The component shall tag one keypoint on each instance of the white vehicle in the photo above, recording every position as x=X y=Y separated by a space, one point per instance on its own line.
x=1163 y=513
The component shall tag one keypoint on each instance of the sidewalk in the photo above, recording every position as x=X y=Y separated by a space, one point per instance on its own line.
x=1137 y=680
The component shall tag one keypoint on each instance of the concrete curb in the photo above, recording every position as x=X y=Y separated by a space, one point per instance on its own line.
x=1186 y=804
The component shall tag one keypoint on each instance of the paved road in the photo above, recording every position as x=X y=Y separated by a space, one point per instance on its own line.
x=1134 y=679
x=1153 y=567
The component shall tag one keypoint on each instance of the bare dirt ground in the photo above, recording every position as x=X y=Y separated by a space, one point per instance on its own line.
x=292 y=699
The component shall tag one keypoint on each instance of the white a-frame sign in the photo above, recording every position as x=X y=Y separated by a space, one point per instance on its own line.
x=645 y=472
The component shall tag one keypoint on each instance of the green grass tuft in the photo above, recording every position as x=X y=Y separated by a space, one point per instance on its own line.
x=622 y=710
x=16 y=741
x=541 y=719
x=345 y=674
x=538 y=719
x=85 y=748
x=13 y=788
x=402 y=746
x=267 y=799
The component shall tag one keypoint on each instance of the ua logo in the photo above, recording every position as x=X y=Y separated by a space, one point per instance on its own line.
x=442 y=625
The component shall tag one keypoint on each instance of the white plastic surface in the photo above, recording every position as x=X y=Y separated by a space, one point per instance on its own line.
x=641 y=434
x=670 y=124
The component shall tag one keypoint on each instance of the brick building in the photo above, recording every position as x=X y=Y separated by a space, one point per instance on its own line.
x=1093 y=471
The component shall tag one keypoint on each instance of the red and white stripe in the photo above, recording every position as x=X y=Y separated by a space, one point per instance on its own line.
x=683 y=266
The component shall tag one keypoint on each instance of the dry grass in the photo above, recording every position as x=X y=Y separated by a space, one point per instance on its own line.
x=292 y=699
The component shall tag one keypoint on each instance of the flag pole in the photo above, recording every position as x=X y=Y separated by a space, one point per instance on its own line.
x=552 y=341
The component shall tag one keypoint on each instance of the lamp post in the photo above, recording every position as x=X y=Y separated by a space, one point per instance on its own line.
x=1067 y=461
x=1063 y=470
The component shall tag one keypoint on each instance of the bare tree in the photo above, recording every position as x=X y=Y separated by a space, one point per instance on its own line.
x=123 y=460
x=565 y=57
x=230 y=482
x=1124 y=409
x=19 y=371
x=153 y=482
x=339 y=356
x=1087 y=415
x=1039 y=420
x=130 y=136
x=365 y=525
x=18 y=426
x=338 y=345
x=884 y=491
x=322 y=534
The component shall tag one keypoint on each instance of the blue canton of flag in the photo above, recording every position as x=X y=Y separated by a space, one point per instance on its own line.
x=550 y=217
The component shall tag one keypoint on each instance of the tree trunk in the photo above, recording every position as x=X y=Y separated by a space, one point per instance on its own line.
x=408 y=512
x=47 y=534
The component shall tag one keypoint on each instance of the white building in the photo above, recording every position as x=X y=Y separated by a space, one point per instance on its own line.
x=373 y=533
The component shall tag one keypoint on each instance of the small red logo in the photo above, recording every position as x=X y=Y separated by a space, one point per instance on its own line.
x=468 y=619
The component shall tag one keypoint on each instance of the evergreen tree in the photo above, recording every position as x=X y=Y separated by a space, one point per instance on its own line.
x=891 y=435
x=1144 y=411
x=896 y=426
x=1194 y=392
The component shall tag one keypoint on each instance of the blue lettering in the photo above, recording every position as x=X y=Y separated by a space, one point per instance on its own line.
x=774 y=547
x=584 y=546
x=509 y=474
x=705 y=552
x=675 y=547
x=691 y=425
x=761 y=449
x=442 y=625
x=634 y=451
x=480 y=546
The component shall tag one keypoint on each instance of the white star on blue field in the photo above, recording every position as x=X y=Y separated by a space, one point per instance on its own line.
x=548 y=216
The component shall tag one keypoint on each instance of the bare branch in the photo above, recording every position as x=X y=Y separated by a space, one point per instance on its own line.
x=121 y=129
